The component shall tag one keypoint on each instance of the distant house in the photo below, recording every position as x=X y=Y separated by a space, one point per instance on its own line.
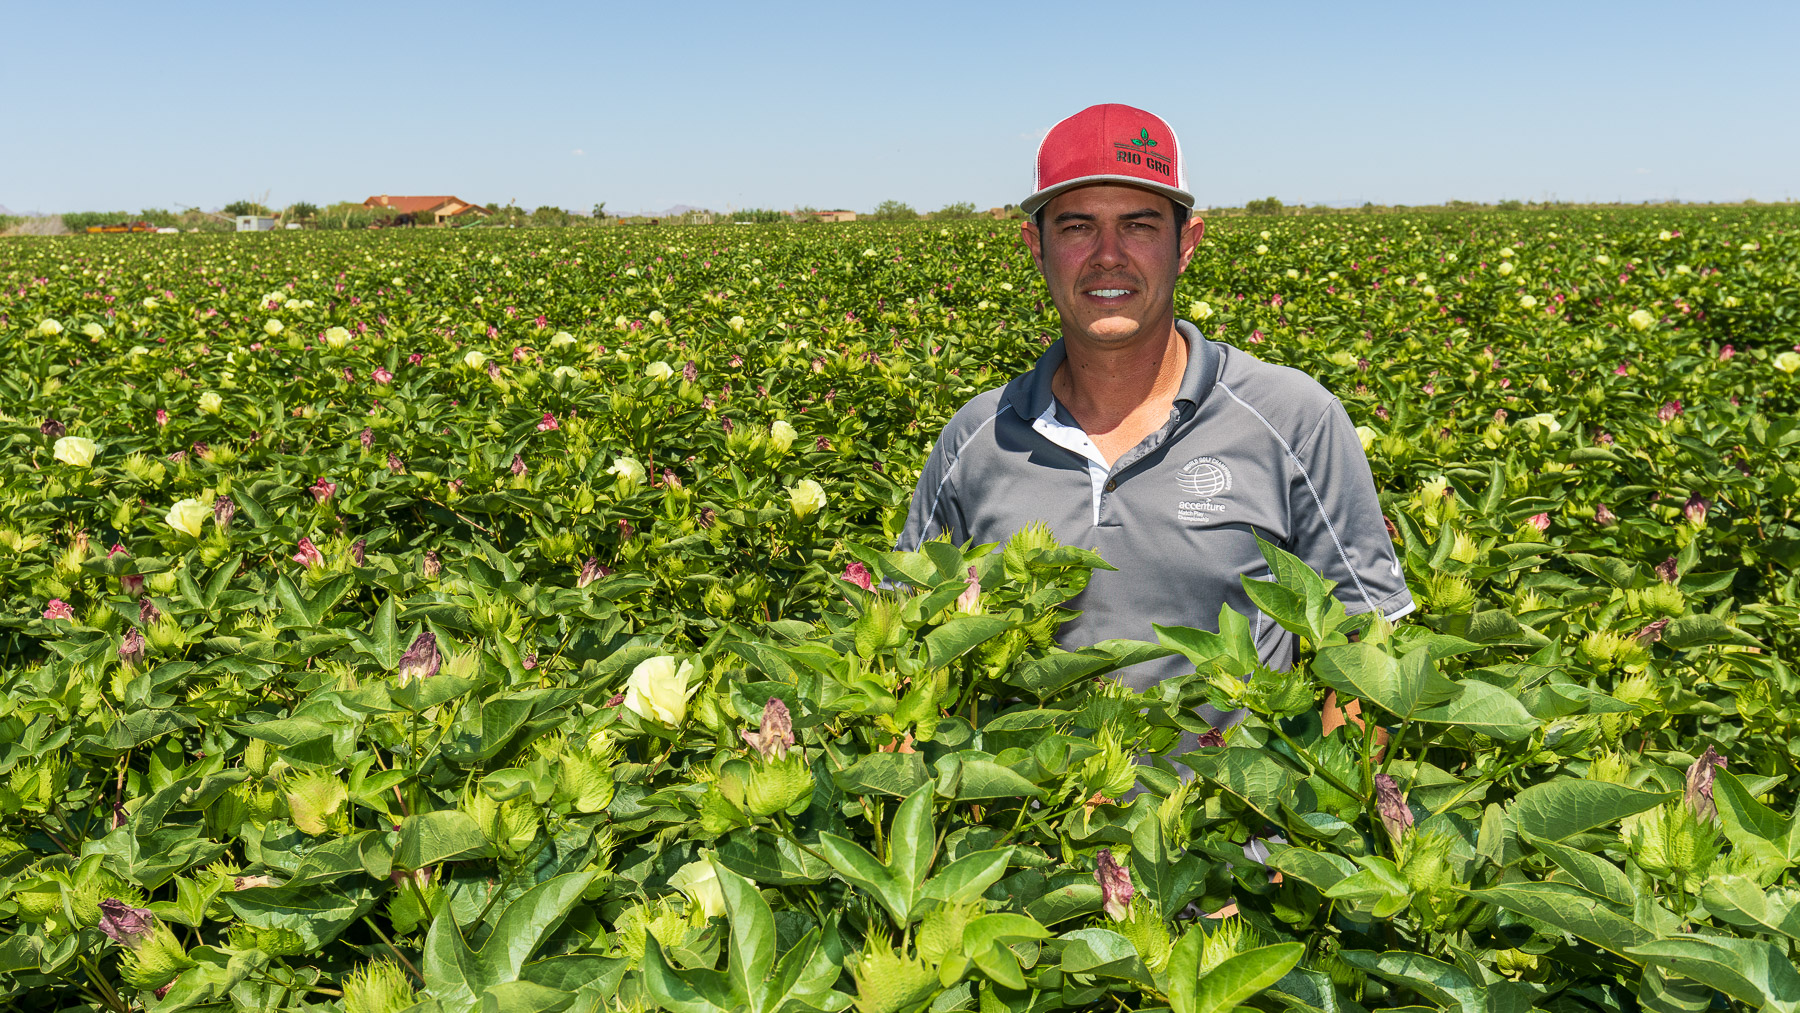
x=427 y=210
x=837 y=216
x=257 y=223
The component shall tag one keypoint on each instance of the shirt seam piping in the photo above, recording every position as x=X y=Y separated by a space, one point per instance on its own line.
x=1318 y=428
x=937 y=498
x=1317 y=501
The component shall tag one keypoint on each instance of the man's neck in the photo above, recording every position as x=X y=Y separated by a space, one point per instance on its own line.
x=1104 y=387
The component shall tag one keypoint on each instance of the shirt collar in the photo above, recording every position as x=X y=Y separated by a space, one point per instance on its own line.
x=1030 y=396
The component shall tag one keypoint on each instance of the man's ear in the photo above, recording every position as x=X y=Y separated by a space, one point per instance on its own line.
x=1034 y=242
x=1191 y=234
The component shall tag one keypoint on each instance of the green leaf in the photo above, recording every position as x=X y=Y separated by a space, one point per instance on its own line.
x=752 y=952
x=1557 y=810
x=961 y=635
x=428 y=693
x=317 y=912
x=1104 y=952
x=429 y=838
x=1071 y=900
x=966 y=879
x=1230 y=983
x=853 y=862
x=1573 y=910
x=1484 y=709
x=676 y=992
x=1378 y=888
x=1367 y=672
x=883 y=773
x=1590 y=872
x=1442 y=983
x=1754 y=971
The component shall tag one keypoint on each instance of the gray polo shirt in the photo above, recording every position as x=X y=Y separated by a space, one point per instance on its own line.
x=1249 y=448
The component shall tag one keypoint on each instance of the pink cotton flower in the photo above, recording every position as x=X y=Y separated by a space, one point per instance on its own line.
x=548 y=423
x=323 y=490
x=1619 y=370
x=1605 y=517
x=1726 y=353
x=56 y=608
x=415 y=358
x=1115 y=886
x=309 y=555
x=1540 y=522
x=162 y=416
x=1668 y=411
x=381 y=375
x=858 y=574
x=1694 y=510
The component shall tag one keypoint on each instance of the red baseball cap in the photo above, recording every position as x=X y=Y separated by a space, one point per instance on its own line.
x=1109 y=144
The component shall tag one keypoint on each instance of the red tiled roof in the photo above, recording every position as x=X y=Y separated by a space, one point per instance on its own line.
x=411 y=205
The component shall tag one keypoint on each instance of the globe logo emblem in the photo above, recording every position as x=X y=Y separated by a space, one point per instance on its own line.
x=1205 y=477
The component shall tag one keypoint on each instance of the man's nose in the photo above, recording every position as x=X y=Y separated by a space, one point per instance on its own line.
x=1109 y=251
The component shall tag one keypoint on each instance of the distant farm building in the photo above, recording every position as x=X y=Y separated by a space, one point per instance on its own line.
x=257 y=223
x=837 y=216
x=427 y=210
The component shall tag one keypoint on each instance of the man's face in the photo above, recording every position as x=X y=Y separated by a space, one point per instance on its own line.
x=1110 y=256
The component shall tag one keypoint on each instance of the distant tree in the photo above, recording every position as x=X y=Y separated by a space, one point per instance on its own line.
x=600 y=211
x=953 y=212
x=894 y=211
x=243 y=207
x=162 y=218
x=1266 y=206
x=1510 y=205
x=301 y=211
x=805 y=214
x=547 y=215
x=760 y=216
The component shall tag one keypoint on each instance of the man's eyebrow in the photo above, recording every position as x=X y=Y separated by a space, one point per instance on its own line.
x=1129 y=216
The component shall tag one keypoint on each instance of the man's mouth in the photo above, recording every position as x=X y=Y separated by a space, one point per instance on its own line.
x=1109 y=293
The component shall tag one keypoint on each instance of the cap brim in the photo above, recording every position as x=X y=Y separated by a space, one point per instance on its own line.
x=1037 y=200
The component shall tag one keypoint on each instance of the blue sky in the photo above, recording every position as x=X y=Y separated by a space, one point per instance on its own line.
x=645 y=105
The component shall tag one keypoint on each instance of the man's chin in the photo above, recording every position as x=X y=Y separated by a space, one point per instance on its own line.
x=1113 y=330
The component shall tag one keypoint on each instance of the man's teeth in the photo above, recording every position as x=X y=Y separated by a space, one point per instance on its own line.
x=1109 y=293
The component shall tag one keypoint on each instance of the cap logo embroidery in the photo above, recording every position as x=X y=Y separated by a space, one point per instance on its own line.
x=1207 y=478
x=1137 y=152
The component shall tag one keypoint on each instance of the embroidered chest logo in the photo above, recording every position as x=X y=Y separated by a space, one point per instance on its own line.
x=1207 y=478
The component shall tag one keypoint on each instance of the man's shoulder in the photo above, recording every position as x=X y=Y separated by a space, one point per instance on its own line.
x=1289 y=400
x=975 y=415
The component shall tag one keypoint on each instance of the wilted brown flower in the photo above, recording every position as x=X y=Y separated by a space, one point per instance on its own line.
x=1211 y=737
x=357 y=550
x=590 y=572
x=394 y=464
x=421 y=660
x=124 y=924
x=1669 y=570
x=706 y=518
x=518 y=465
x=1115 y=886
x=1395 y=814
x=1604 y=516
x=53 y=429
x=776 y=733
x=132 y=584
x=224 y=509
x=131 y=647
x=148 y=612
x=368 y=437
x=431 y=564
x=1699 y=793
x=1651 y=633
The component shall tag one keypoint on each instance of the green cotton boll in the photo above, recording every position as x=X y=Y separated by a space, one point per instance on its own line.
x=1231 y=937
x=1449 y=594
x=1663 y=599
x=584 y=782
x=518 y=827
x=1148 y=932
x=257 y=757
x=89 y=891
x=156 y=960
x=1425 y=861
x=888 y=981
x=228 y=811
x=1599 y=648
x=876 y=628
x=377 y=987
x=317 y=804
x=778 y=785
x=941 y=933
x=1111 y=772
x=717 y=813
x=165 y=636
x=719 y=600
x=280 y=942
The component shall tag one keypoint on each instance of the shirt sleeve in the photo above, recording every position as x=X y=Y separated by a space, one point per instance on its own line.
x=1336 y=519
x=934 y=507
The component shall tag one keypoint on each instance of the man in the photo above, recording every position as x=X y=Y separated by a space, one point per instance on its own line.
x=1138 y=437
